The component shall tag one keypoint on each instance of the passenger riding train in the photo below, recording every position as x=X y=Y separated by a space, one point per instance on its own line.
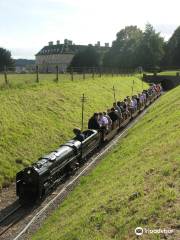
x=37 y=181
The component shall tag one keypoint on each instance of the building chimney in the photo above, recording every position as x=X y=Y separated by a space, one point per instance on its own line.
x=107 y=45
x=57 y=42
x=50 y=43
x=65 y=41
x=98 y=43
x=69 y=42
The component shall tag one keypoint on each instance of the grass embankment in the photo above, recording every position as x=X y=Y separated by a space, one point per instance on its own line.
x=173 y=73
x=169 y=73
x=37 y=118
x=135 y=185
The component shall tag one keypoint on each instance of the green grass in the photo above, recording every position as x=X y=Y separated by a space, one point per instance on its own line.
x=136 y=184
x=22 y=80
x=173 y=73
x=36 y=118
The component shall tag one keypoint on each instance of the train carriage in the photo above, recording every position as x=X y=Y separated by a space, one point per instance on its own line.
x=125 y=121
x=147 y=101
x=111 y=132
x=134 y=113
x=91 y=142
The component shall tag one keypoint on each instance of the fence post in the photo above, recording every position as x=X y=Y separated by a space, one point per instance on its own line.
x=37 y=73
x=99 y=72
x=107 y=71
x=93 y=73
x=5 y=75
x=112 y=73
x=72 y=77
x=132 y=89
x=119 y=72
x=57 y=73
x=84 y=76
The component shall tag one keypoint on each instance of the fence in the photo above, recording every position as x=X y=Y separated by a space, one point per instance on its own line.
x=11 y=77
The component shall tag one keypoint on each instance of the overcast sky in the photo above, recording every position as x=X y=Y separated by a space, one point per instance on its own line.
x=27 y=25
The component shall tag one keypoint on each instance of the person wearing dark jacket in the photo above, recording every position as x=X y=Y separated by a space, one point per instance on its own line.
x=79 y=135
x=93 y=122
x=113 y=115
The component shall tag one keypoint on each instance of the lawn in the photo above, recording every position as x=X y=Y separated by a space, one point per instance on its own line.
x=38 y=117
x=136 y=184
x=169 y=73
x=173 y=73
x=21 y=80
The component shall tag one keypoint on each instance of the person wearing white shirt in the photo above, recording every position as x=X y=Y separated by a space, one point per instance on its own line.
x=103 y=121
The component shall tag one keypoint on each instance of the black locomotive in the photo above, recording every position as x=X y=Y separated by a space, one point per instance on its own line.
x=35 y=182
x=38 y=180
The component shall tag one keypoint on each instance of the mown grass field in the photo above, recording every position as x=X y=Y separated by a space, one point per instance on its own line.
x=173 y=73
x=136 y=184
x=38 y=117
x=169 y=73
x=22 y=80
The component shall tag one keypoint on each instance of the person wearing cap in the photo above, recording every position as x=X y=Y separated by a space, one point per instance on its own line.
x=79 y=135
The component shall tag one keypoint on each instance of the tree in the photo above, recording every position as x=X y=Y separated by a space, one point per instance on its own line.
x=123 y=53
x=151 y=49
x=5 y=59
x=88 y=58
x=172 y=57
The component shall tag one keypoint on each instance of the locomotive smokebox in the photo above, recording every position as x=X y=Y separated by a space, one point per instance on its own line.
x=26 y=186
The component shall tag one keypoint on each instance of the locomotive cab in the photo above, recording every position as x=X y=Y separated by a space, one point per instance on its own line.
x=91 y=142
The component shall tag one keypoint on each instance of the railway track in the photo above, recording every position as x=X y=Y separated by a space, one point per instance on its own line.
x=9 y=214
x=10 y=219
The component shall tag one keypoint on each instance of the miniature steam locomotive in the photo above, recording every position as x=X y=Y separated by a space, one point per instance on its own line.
x=37 y=181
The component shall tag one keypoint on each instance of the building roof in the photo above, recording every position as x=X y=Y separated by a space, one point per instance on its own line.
x=65 y=49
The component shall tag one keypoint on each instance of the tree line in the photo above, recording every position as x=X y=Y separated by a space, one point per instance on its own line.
x=5 y=59
x=132 y=48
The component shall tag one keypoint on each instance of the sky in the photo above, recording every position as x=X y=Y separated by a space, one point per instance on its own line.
x=28 y=25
